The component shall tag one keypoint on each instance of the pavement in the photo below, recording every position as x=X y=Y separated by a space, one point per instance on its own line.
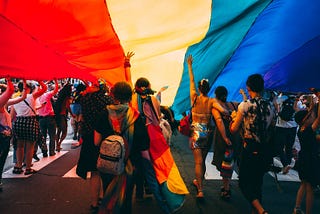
x=56 y=188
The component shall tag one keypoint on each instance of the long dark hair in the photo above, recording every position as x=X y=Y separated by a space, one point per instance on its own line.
x=142 y=87
x=63 y=94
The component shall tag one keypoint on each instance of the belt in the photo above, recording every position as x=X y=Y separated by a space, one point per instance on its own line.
x=48 y=116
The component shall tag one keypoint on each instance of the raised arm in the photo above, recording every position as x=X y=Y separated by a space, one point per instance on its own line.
x=193 y=90
x=41 y=90
x=5 y=96
x=56 y=87
x=22 y=97
x=244 y=95
x=127 y=67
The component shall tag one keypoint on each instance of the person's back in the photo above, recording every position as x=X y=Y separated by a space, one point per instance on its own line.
x=256 y=115
x=285 y=131
x=121 y=118
x=47 y=120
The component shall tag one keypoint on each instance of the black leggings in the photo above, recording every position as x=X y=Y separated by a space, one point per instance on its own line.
x=251 y=174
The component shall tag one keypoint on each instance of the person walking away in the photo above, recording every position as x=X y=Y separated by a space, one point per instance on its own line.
x=285 y=131
x=162 y=162
x=123 y=119
x=26 y=127
x=6 y=92
x=309 y=156
x=61 y=111
x=47 y=118
x=256 y=114
x=202 y=131
x=93 y=103
x=224 y=143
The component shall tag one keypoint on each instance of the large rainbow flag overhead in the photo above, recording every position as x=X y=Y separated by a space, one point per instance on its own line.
x=229 y=40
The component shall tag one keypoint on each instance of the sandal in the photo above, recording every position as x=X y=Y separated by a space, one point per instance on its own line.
x=226 y=194
x=17 y=170
x=200 y=194
x=29 y=171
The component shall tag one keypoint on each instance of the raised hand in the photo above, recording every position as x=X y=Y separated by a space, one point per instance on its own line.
x=243 y=93
x=129 y=55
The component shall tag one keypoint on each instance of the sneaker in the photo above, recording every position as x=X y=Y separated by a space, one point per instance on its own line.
x=52 y=154
x=35 y=156
x=45 y=154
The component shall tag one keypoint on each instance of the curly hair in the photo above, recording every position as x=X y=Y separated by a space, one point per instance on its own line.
x=122 y=92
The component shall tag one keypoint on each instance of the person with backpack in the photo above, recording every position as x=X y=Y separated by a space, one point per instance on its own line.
x=124 y=120
x=256 y=115
x=93 y=101
x=285 y=130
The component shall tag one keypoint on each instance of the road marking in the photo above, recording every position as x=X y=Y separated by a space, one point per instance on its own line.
x=292 y=175
x=212 y=173
x=36 y=165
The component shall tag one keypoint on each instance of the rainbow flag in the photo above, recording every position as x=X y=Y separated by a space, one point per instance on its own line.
x=167 y=173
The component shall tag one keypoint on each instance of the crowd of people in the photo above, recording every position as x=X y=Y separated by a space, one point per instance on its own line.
x=239 y=133
x=247 y=136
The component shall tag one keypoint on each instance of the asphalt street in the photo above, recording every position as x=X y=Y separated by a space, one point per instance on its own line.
x=55 y=190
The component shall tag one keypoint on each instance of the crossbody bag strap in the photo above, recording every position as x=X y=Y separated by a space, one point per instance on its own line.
x=30 y=107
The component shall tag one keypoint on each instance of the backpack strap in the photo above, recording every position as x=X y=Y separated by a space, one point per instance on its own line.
x=127 y=132
x=260 y=122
